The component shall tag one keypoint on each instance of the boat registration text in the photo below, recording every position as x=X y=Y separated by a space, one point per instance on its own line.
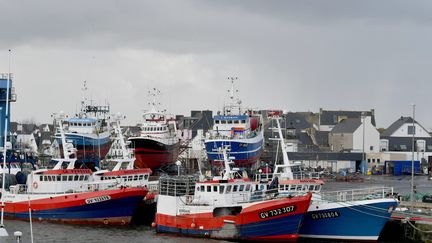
x=97 y=199
x=276 y=212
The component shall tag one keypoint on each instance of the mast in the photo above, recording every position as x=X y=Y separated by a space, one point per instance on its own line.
x=286 y=162
x=153 y=93
x=83 y=98
x=235 y=102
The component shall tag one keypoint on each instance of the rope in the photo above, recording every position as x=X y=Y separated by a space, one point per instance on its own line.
x=418 y=229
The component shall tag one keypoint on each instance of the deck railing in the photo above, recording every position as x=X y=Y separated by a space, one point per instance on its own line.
x=357 y=194
x=303 y=175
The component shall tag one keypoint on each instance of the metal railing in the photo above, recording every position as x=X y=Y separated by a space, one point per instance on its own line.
x=357 y=194
x=177 y=185
x=304 y=175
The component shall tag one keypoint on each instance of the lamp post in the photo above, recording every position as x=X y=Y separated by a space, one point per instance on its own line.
x=412 y=158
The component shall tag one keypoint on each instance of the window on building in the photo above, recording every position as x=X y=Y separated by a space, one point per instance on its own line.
x=411 y=130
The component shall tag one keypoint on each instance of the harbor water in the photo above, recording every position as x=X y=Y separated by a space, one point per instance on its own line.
x=50 y=232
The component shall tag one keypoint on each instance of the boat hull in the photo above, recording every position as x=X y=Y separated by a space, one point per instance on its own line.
x=245 y=151
x=274 y=220
x=109 y=207
x=358 y=220
x=152 y=153
x=90 y=147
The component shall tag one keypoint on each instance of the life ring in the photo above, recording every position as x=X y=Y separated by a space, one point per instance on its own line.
x=35 y=185
x=188 y=199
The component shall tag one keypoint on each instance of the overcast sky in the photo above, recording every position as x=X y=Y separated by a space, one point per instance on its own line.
x=292 y=55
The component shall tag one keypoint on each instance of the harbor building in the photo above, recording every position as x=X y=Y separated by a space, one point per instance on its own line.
x=328 y=139
x=355 y=135
x=396 y=142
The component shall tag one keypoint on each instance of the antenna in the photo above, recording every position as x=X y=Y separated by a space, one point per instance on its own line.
x=83 y=98
x=153 y=94
x=235 y=102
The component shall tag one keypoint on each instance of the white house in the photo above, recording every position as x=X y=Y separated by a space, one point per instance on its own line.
x=396 y=141
x=355 y=135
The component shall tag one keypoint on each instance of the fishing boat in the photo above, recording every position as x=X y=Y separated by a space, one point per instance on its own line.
x=158 y=144
x=89 y=132
x=68 y=195
x=240 y=129
x=358 y=214
x=227 y=207
x=124 y=172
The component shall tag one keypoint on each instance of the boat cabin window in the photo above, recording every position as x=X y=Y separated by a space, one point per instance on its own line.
x=146 y=177
x=41 y=178
x=215 y=188
x=221 y=189
x=59 y=178
x=235 y=187
x=317 y=187
x=217 y=121
x=228 y=190
x=243 y=121
x=223 y=122
x=208 y=188
x=248 y=187
x=241 y=188
x=202 y=188
x=299 y=187
x=311 y=188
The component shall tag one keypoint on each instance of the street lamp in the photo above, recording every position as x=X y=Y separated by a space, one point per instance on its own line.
x=363 y=140
x=412 y=158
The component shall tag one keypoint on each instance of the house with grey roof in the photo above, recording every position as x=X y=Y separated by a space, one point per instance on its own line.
x=398 y=136
x=188 y=127
x=328 y=119
x=396 y=141
x=355 y=134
